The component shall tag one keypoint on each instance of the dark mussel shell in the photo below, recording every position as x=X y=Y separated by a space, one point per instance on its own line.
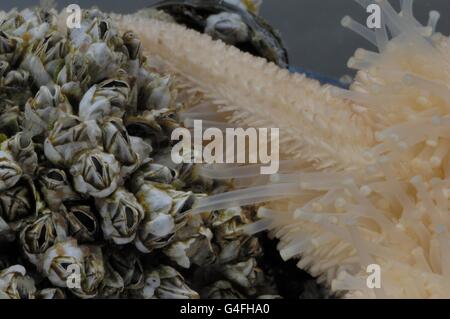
x=263 y=40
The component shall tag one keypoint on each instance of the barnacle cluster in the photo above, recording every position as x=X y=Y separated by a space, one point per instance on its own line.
x=90 y=204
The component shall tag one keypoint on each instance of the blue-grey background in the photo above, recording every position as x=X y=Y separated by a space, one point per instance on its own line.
x=310 y=28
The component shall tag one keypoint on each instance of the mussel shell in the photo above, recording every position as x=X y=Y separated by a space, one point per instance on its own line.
x=264 y=40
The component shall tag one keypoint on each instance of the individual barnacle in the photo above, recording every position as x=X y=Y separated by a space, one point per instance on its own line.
x=55 y=46
x=164 y=213
x=16 y=79
x=15 y=284
x=164 y=282
x=143 y=75
x=39 y=121
x=116 y=141
x=55 y=188
x=23 y=151
x=95 y=173
x=155 y=125
x=34 y=66
x=96 y=103
x=116 y=90
x=8 y=43
x=228 y=226
x=19 y=201
x=51 y=97
x=183 y=201
x=153 y=172
x=155 y=232
x=53 y=67
x=121 y=216
x=133 y=46
x=41 y=233
x=73 y=76
x=112 y=285
x=129 y=267
x=82 y=223
x=196 y=249
x=68 y=138
x=153 y=196
x=10 y=120
x=167 y=119
x=15 y=84
x=187 y=174
x=10 y=171
x=61 y=261
x=218 y=218
x=143 y=125
x=245 y=274
x=102 y=61
x=157 y=94
x=239 y=248
x=93 y=273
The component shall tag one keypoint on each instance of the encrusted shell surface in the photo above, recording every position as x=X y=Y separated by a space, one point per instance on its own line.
x=90 y=201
